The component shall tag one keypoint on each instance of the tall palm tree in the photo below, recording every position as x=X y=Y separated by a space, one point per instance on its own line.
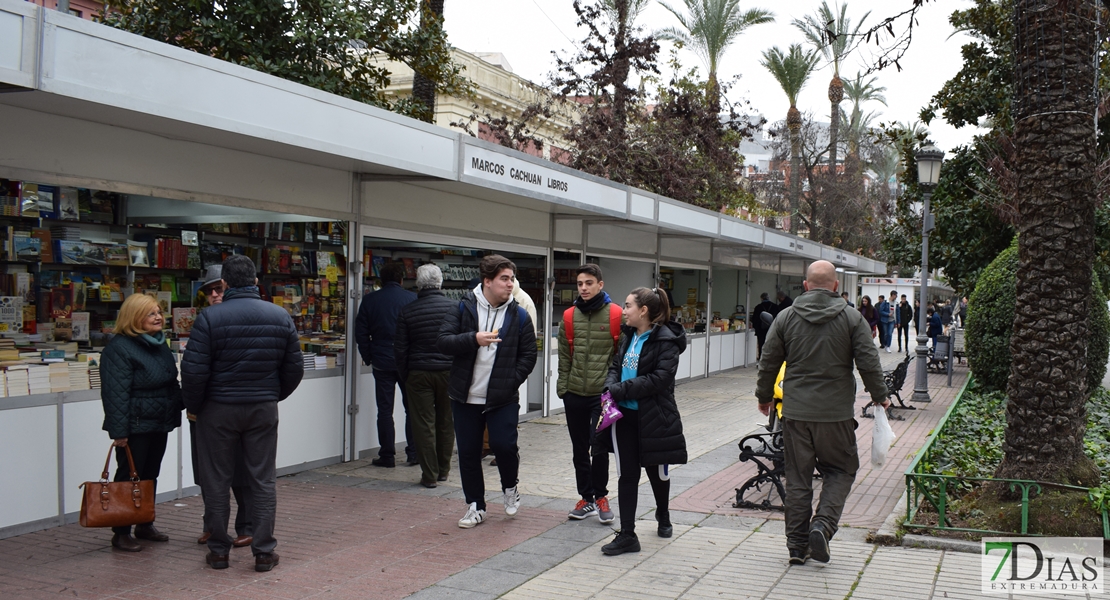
x=1046 y=416
x=424 y=89
x=832 y=33
x=857 y=123
x=635 y=7
x=792 y=70
x=709 y=29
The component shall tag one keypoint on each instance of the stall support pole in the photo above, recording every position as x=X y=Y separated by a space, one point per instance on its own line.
x=549 y=308
x=585 y=240
x=658 y=262
x=747 y=307
x=708 y=308
x=354 y=294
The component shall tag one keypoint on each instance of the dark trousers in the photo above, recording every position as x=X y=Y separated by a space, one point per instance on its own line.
x=759 y=341
x=240 y=485
x=470 y=421
x=252 y=429
x=628 y=446
x=830 y=448
x=433 y=429
x=385 y=382
x=147 y=450
x=592 y=476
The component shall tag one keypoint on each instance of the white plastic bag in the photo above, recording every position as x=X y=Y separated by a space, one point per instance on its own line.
x=881 y=438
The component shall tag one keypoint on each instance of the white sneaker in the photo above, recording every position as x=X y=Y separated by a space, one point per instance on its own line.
x=472 y=517
x=512 y=501
x=888 y=349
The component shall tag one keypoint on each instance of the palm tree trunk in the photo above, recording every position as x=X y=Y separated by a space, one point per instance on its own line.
x=836 y=96
x=794 y=126
x=424 y=89
x=1054 y=106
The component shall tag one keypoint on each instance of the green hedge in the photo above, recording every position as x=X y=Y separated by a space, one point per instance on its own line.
x=990 y=321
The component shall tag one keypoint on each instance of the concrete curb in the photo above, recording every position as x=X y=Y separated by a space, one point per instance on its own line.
x=887 y=534
x=913 y=540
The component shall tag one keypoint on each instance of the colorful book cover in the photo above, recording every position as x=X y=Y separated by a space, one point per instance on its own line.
x=46 y=246
x=80 y=324
x=105 y=293
x=164 y=301
x=61 y=302
x=11 y=313
x=168 y=284
x=29 y=200
x=24 y=287
x=26 y=247
x=116 y=255
x=63 y=329
x=183 y=320
x=66 y=204
x=79 y=295
x=410 y=268
x=29 y=324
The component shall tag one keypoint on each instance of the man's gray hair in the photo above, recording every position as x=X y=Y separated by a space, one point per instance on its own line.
x=429 y=276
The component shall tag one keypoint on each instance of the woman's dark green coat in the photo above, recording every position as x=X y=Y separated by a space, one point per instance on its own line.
x=139 y=387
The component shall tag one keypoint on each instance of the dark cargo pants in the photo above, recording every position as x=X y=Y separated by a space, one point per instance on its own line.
x=433 y=428
x=831 y=448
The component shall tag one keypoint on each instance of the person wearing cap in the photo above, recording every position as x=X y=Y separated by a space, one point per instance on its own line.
x=213 y=290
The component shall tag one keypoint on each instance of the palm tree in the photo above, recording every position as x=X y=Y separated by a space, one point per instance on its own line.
x=834 y=36
x=857 y=124
x=635 y=7
x=424 y=89
x=1046 y=413
x=792 y=70
x=710 y=28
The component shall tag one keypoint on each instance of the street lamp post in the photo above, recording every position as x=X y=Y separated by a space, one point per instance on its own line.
x=929 y=159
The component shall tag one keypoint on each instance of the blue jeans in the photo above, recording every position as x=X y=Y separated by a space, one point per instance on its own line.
x=470 y=421
x=886 y=333
x=385 y=383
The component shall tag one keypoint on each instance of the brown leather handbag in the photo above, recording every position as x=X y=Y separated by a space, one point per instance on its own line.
x=117 y=503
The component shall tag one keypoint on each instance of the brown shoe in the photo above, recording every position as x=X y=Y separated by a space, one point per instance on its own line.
x=265 y=562
x=216 y=561
x=243 y=540
x=428 y=484
x=150 y=532
x=125 y=543
x=203 y=539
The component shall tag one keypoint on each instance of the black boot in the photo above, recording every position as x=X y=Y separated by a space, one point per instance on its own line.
x=624 y=542
x=125 y=543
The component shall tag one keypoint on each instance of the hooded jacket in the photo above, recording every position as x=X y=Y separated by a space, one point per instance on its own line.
x=491 y=374
x=661 y=439
x=582 y=370
x=819 y=339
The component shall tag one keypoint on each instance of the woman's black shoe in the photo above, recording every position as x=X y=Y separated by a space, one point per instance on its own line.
x=151 y=533
x=625 y=542
x=665 y=530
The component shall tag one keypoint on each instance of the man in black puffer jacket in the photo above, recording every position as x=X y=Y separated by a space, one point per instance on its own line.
x=243 y=357
x=493 y=344
x=424 y=370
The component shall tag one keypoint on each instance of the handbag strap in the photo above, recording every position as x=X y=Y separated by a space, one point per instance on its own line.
x=130 y=463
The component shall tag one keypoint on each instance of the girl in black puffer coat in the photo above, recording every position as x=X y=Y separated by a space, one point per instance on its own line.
x=641 y=381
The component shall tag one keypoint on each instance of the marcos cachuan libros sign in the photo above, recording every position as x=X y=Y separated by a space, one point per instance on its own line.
x=527 y=177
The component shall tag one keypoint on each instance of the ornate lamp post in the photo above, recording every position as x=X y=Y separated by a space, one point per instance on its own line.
x=928 y=174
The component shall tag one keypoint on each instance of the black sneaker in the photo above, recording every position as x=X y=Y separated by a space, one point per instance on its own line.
x=818 y=544
x=798 y=556
x=665 y=530
x=625 y=542
x=381 y=461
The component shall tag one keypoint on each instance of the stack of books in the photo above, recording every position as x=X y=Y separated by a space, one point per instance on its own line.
x=78 y=375
x=59 y=377
x=16 y=381
x=321 y=362
x=3 y=384
x=66 y=232
x=309 y=360
x=38 y=379
x=94 y=375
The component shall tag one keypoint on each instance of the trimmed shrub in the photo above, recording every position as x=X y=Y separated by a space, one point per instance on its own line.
x=990 y=321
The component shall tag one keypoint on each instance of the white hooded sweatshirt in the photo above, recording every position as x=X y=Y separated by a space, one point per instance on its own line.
x=490 y=318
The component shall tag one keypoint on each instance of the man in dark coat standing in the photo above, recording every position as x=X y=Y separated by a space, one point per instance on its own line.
x=493 y=344
x=374 y=330
x=784 y=302
x=762 y=324
x=424 y=370
x=243 y=357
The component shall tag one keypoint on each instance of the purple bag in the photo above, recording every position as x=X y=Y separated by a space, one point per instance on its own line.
x=610 y=413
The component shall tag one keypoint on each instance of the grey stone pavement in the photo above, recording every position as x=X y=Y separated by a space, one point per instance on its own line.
x=709 y=556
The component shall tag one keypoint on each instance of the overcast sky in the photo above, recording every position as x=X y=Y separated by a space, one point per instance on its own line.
x=526 y=31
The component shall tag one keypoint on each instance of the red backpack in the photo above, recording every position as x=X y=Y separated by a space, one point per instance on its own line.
x=615 y=316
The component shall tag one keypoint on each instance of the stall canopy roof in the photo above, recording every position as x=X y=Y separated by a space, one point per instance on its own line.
x=58 y=64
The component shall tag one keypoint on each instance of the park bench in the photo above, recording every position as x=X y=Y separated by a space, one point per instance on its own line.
x=938 y=358
x=895 y=381
x=765 y=449
x=958 y=344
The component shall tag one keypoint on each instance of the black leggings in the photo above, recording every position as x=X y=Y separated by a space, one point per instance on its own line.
x=628 y=444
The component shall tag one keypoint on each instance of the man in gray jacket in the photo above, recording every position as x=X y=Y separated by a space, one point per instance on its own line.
x=818 y=339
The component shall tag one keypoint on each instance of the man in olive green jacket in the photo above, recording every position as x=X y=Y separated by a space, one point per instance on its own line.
x=583 y=365
x=818 y=338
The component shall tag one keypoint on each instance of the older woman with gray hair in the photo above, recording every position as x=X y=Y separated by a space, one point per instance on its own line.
x=425 y=370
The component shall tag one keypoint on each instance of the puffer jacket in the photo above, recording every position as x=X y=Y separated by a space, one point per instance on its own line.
x=241 y=351
x=516 y=352
x=582 y=370
x=377 y=322
x=819 y=338
x=661 y=439
x=139 y=387
x=415 y=343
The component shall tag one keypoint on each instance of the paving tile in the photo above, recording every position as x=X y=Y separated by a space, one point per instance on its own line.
x=490 y=581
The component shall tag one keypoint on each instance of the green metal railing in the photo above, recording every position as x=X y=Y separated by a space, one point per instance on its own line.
x=933 y=488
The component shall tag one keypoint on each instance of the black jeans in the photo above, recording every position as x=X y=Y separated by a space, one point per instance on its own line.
x=628 y=446
x=831 y=448
x=384 y=382
x=240 y=485
x=904 y=332
x=147 y=449
x=470 y=421
x=252 y=429
x=592 y=476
